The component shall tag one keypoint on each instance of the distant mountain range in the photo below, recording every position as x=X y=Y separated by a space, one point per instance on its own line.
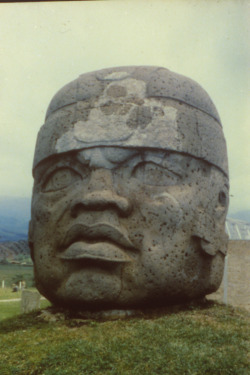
x=15 y=216
x=15 y=251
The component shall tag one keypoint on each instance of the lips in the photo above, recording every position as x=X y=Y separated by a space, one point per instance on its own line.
x=101 y=242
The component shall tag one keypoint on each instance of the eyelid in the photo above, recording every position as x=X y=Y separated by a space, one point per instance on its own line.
x=158 y=165
x=50 y=174
x=161 y=159
x=131 y=162
x=171 y=170
x=57 y=166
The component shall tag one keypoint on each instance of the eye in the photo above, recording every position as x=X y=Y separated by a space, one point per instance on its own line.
x=153 y=174
x=60 y=179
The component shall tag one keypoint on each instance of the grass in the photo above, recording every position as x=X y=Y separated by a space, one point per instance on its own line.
x=196 y=340
x=6 y=293
x=12 y=309
x=12 y=273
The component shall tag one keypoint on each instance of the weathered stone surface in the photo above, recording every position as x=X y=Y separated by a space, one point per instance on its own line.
x=130 y=193
x=123 y=107
x=30 y=300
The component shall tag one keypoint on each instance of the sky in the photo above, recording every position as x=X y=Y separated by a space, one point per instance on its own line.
x=45 y=45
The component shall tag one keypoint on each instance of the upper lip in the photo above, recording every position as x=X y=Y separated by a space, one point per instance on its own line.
x=101 y=232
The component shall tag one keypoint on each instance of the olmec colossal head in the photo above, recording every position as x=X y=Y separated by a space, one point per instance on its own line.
x=130 y=191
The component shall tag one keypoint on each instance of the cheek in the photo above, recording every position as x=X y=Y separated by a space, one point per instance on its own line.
x=47 y=210
x=49 y=272
x=41 y=215
x=45 y=228
x=168 y=209
x=41 y=211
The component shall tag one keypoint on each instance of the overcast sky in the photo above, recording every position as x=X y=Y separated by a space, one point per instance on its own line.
x=43 y=46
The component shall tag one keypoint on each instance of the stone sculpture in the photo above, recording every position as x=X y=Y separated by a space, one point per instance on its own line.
x=130 y=192
x=30 y=300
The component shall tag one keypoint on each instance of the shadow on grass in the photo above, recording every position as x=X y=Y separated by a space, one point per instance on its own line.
x=21 y=322
x=74 y=318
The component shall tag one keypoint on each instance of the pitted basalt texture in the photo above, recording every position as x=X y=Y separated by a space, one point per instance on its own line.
x=131 y=107
x=130 y=192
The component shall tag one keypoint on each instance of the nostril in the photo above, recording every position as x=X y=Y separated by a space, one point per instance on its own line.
x=100 y=201
x=75 y=209
x=124 y=206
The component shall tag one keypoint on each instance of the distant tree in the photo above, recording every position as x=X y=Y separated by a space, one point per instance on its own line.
x=4 y=261
x=18 y=277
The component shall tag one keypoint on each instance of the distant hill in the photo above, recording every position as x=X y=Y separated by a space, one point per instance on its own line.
x=15 y=251
x=14 y=218
x=12 y=229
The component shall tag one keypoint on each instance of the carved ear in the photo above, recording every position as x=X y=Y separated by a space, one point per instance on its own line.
x=30 y=240
x=211 y=232
x=216 y=245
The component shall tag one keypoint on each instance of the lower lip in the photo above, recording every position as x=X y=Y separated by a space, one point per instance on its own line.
x=100 y=251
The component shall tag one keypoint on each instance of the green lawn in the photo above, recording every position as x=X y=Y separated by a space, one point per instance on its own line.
x=12 y=309
x=9 y=309
x=196 y=340
x=12 y=273
x=6 y=293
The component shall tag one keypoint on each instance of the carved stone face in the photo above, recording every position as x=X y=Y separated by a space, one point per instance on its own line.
x=131 y=191
x=116 y=227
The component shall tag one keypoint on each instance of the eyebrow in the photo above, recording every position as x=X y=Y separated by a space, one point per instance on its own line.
x=156 y=156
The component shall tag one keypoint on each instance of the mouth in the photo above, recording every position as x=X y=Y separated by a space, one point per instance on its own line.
x=100 y=242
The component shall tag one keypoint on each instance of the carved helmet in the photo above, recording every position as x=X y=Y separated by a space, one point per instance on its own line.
x=135 y=106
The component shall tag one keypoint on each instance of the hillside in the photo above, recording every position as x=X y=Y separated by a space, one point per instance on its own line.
x=14 y=251
x=197 y=339
x=14 y=218
x=12 y=229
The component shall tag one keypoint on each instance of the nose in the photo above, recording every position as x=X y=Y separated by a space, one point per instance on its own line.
x=100 y=195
